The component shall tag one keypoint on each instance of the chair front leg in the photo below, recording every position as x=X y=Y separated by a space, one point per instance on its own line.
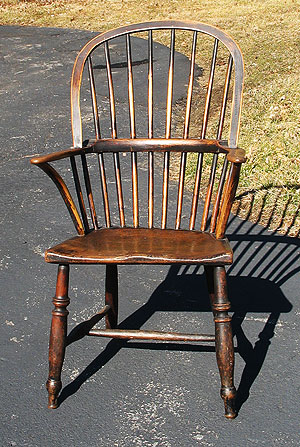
x=224 y=341
x=58 y=334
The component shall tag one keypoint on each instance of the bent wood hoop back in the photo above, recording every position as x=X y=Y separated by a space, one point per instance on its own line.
x=213 y=180
x=105 y=38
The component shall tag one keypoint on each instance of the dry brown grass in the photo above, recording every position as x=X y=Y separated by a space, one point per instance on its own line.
x=268 y=33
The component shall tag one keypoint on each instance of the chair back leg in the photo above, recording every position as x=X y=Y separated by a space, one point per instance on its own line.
x=58 y=334
x=111 y=295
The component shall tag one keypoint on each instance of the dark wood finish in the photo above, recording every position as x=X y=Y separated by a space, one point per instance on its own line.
x=142 y=246
x=216 y=207
x=224 y=342
x=228 y=196
x=99 y=240
x=65 y=193
x=119 y=188
x=104 y=190
x=89 y=192
x=150 y=335
x=234 y=155
x=79 y=194
x=58 y=334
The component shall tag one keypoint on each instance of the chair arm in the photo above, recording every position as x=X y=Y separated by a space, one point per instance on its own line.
x=60 y=184
x=57 y=155
x=228 y=198
x=236 y=155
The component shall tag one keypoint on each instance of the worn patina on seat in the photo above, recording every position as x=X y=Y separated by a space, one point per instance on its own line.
x=134 y=239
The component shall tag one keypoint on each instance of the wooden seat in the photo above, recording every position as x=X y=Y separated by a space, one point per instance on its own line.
x=116 y=184
x=142 y=246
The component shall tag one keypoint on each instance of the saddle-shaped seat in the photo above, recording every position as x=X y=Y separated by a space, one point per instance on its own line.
x=142 y=246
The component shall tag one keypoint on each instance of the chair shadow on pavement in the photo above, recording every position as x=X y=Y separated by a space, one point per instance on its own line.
x=264 y=262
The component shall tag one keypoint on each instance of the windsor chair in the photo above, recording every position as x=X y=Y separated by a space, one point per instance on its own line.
x=128 y=237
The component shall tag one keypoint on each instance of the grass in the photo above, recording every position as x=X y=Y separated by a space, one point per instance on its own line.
x=268 y=33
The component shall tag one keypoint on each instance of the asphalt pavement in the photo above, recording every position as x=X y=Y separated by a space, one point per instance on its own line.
x=115 y=393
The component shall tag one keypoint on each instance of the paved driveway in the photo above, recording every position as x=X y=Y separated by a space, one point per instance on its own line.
x=117 y=394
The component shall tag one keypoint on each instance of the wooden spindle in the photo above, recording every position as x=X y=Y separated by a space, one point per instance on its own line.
x=135 y=190
x=180 y=190
x=196 y=191
x=98 y=136
x=213 y=169
x=215 y=211
x=119 y=188
x=209 y=89
x=150 y=85
x=209 y=192
x=225 y=97
x=130 y=88
x=165 y=190
x=186 y=132
x=190 y=88
x=111 y=92
x=150 y=131
x=114 y=134
x=204 y=128
x=79 y=194
x=170 y=85
x=104 y=190
x=89 y=192
x=203 y=132
x=132 y=134
x=168 y=131
x=94 y=99
x=150 y=189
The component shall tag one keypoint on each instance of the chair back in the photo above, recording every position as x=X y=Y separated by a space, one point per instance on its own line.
x=178 y=108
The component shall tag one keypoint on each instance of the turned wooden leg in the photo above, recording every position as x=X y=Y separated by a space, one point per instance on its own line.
x=111 y=295
x=58 y=334
x=224 y=341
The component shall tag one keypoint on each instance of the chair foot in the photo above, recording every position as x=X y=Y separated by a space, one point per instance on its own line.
x=53 y=387
x=228 y=395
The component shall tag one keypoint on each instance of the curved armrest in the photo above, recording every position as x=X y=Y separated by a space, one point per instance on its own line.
x=57 y=155
x=43 y=163
x=65 y=193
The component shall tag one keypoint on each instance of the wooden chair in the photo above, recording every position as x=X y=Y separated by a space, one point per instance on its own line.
x=145 y=237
